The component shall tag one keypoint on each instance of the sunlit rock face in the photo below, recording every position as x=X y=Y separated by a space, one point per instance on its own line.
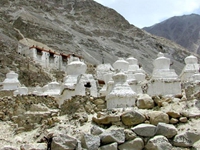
x=164 y=80
x=11 y=82
x=191 y=67
x=121 y=94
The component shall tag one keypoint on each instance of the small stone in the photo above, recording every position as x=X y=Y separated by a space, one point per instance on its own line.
x=183 y=119
x=146 y=130
x=173 y=121
x=174 y=114
x=91 y=142
x=167 y=130
x=158 y=116
x=111 y=136
x=186 y=139
x=136 y=144
x=129 y=135
x=131 y=118
x=158 y=142
x=112 y=146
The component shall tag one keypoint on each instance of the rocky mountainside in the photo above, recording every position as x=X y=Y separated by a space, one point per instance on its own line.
x=84 y=27
x=183 y=30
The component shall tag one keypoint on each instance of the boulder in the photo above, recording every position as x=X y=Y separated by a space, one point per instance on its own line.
x=136 y=144
x=35 y=146
x=112 y=146
x=144 y=101
x=174 y=114
x=167 y=130
x=95 y=130
x=158 y=116
x=63 y=142
x=158 y=142
x=129 y=135
x=133 y=117
x=146 y=130
x=186 y=139
x=111 y=136
x=90 y=142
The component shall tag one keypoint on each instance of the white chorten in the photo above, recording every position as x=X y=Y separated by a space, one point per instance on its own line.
x=103 y=69
x=107 y=78
x=164 y=80
x=121 y=65
x=74 y=82
x=162 y=68
x=52 y=89
x=192 y=67
x=121 y=95
x=11 y=82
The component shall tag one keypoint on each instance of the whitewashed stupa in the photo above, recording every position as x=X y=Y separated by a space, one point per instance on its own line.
x=164 y=80
x=76 y=80
x=121 y=95
x=121 y=65
x=191 y=68
x=107 y=78
x=103 y=69
x=11 y=82
x=52 y=89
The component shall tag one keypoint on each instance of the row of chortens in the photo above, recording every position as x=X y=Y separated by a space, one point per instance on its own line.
x=123 y=80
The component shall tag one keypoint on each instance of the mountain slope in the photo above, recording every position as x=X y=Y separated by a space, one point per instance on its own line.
x=84 y=27
x=183 y=30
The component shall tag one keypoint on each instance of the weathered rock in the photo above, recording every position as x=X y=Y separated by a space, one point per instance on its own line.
x=35 y=146
x=166 y=130
x=158 y=116
x=144 y=101
x=186 y=139
x=8 y=148
x=63 y=142
x=90 y=142
x=173 y=121
x=112 y=146
x=111 y=136
x=136 y=144
x=107 y=119
x=95 y=130
x=129 y=135
x=131 y=118
x=158 y=142
x=146 y=130
x=183 y=119
x=174 y=114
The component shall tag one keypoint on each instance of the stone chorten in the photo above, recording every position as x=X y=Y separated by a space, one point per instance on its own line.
x=121 y=95
x=11 y=82
x=164 y=80
x=75 y=81
x=191 y=69
x=162 y=68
